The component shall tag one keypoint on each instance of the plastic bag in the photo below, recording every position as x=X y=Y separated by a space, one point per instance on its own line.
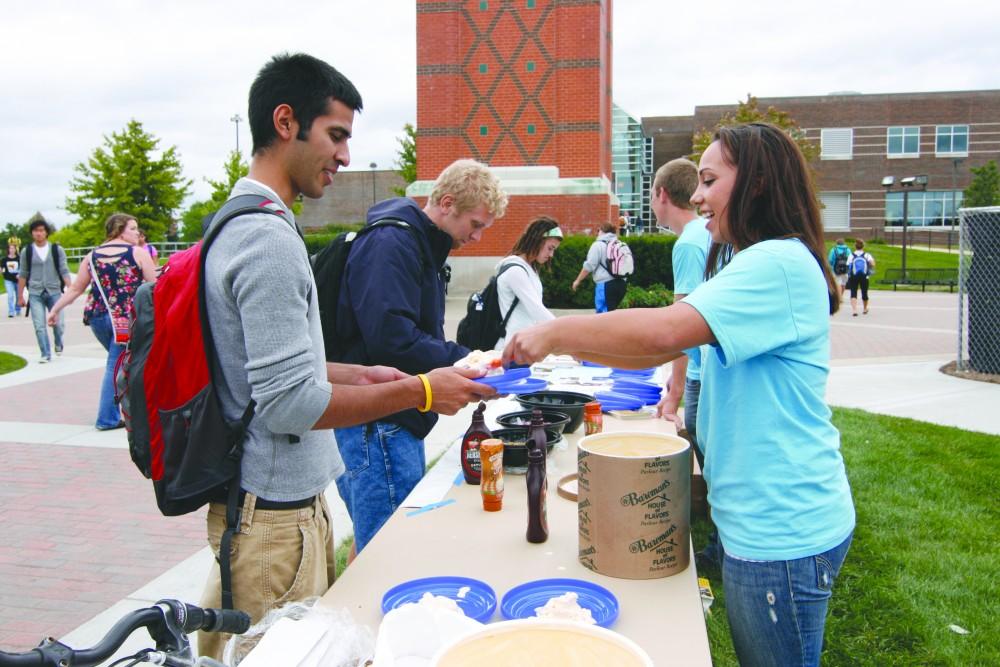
x=340 y=642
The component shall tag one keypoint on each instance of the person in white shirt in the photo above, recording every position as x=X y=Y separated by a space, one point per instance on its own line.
x=532 y=251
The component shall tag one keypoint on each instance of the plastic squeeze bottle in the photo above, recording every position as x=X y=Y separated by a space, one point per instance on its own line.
x=538 y=490
x=537 y=437
x=471 y=469
x=593 y=420
x=491 y=485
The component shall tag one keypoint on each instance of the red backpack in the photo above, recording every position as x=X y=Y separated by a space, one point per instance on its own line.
x=177 y=434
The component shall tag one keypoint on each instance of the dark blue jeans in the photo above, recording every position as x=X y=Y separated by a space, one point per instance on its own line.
x=384 y=462
x=777 y=609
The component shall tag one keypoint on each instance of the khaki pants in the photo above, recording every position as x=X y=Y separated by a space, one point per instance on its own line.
x=278 y=556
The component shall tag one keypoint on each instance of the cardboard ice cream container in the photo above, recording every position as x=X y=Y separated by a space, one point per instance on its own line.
x=634 y=504
x=542 y=642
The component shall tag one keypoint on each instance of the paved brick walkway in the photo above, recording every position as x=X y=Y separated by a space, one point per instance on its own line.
x=80 y=531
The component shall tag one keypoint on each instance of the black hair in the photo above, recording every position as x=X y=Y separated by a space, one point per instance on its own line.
x=41 y=223
x=304 y=83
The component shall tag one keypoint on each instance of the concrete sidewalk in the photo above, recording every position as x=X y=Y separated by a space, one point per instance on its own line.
x=84 y=542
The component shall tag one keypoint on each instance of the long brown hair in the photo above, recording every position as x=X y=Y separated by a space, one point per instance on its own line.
x=772 y=197
x=530 y=243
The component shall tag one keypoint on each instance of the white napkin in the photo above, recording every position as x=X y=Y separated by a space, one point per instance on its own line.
x=412 y=633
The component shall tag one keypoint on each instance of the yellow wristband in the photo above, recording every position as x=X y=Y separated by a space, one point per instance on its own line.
x=428 y=394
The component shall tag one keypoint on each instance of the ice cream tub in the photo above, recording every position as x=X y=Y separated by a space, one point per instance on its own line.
x=542 y=642
x=634 y=504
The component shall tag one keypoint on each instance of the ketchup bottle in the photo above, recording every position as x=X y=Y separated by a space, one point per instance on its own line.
x=471 y=468
x=538 y=489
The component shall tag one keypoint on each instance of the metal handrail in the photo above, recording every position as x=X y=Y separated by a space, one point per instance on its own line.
x=164 y=248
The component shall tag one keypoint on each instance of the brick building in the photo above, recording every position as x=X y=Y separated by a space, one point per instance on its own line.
x=864 y=138
x=524 y=86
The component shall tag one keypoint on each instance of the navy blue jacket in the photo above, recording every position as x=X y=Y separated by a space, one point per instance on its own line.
x=391 y=306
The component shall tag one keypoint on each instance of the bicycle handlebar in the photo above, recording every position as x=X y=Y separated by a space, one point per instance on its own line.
x=168 y=622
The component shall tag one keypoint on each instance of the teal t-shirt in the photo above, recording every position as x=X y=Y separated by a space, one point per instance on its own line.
x=688 y=258
x=776 y=478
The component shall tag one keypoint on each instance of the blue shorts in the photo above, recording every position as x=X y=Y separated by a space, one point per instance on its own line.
x=384 y=462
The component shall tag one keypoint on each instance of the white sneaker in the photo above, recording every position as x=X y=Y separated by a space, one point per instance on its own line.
x=45 y=360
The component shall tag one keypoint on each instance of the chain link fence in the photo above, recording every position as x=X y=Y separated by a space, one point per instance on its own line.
x=979 y=291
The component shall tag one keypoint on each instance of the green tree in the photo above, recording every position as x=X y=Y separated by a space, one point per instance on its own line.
x=125 y=175
x=406 y=157
x=984 y=190
x=749 y=112
x=234 y=169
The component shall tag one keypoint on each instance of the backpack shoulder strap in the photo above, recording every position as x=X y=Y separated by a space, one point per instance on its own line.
x=402 y=224
x=517 y=299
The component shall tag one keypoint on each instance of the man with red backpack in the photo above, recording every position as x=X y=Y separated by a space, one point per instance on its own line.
x=260 y=297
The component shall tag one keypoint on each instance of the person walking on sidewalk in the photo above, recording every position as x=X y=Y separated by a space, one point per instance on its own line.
x=11 y=265
x=609 y=290
x=45 y=272
x=839 y=258
x=113 y=270
x=261 y=299
x=860 y=267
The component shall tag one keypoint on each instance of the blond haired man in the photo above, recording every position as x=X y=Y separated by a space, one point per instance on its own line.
x=391 y=311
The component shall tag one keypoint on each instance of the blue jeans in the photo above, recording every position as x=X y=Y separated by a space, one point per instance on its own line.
x=384 y=462
x=12 y=307
x=40 y=305
x=777 y=609
x=108 y=413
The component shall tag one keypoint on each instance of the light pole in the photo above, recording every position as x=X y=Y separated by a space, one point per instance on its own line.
x=373 y=167
x=955 y=162
x=236 y=119
x=906 y=182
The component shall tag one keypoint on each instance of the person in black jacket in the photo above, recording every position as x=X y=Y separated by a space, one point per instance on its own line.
x=391 y=312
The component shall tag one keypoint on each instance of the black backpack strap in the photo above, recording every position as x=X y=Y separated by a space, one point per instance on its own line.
x=517 y=299
x=402 y=224
x=233 y=208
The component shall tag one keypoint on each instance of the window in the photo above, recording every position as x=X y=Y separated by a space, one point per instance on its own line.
x=530 y=4
x=483 y=68
x=484 y=6
x=483 y=130
x=952 y=140
x=836 y=143
x=531 y=128
x=904 y=141
x=836 y=211
x=530 y=66
x=923 y=209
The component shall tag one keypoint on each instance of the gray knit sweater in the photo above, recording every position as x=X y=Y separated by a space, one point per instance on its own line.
x=261 y=301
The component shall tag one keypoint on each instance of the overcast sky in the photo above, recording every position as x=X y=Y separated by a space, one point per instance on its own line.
x=73 y=71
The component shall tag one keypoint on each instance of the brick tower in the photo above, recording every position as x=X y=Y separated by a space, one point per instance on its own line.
x=525 y=87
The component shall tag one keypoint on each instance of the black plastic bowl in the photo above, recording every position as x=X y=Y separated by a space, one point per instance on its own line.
x=568 y=402
x=515 y=451
x=522 y=418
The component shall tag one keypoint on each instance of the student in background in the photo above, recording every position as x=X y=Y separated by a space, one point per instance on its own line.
x=533 y=250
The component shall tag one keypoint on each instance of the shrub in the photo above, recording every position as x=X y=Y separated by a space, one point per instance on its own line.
x=654 y=296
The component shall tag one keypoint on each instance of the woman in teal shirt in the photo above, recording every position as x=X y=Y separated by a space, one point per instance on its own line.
x=776 y=478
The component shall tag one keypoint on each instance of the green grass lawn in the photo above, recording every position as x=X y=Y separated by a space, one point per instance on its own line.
x=11 y=362
x=924 y=554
